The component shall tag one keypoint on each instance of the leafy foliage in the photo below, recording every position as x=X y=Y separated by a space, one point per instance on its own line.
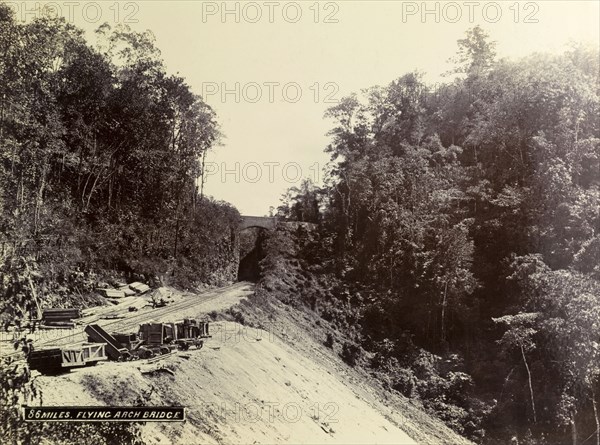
x=101 y=173
x=466 y=224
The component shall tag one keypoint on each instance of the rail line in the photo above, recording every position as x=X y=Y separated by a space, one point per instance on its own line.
x=175 y=307
x=137 y=319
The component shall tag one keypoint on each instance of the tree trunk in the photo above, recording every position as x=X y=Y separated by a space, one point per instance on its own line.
x=573 y=430
x=33 y=291
x=175 y=246
x=110 y=193
x=594 y=404
x=530 y=385
x=2 y=117
x=39 y=200
x=202 y=168
x=93 y=189
x=87 y=181
x=22 y=190
x=443 y=333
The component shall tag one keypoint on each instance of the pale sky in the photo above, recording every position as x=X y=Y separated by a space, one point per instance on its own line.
x=287 y=58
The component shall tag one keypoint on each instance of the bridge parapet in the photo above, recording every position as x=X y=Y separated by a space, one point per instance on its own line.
x=269 y=223
x=264 y=222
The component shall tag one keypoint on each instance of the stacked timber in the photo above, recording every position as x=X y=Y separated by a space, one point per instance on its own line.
x=111 y=293
x=139 y=288
x=127 y=291
x=123 y=291
x=60 y=318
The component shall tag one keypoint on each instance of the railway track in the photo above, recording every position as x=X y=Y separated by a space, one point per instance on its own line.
x=132 y=321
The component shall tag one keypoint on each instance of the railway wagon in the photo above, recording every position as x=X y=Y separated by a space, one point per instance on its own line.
x=159 y=337
x=151 y=339
x=115 y=350
x=190 y=332
x=63 y=358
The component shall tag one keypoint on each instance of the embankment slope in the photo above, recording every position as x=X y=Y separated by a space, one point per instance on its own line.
x=274 y=384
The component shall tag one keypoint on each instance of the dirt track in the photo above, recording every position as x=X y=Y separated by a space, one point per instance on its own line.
x=185 y=305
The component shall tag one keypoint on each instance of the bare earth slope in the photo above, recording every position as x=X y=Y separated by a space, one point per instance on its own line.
x=248 y=385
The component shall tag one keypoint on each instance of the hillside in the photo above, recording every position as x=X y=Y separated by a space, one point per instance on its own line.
x=277 y=384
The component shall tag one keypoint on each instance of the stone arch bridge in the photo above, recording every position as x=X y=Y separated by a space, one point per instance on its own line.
x=269 y=223
x=264 y=222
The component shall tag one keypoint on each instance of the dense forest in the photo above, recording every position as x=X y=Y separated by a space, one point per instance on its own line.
x=457 y=236
x=459 y=233
x=101 y=162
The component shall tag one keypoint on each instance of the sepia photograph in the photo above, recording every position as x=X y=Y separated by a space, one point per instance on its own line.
x=300 y=222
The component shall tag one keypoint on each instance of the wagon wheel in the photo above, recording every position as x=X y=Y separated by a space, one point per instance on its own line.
x=124 y=357
x=145 y=353
x=199 y=344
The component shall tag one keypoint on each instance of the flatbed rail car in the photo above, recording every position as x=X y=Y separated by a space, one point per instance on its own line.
x=63 y=358
x=190 y=332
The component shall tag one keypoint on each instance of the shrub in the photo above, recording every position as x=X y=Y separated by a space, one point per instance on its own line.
x=329 y=340
x=237 y=315
x=405 y=382
x=350 y=353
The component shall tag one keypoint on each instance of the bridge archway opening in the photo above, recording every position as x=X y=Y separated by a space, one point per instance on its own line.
x=251 y=253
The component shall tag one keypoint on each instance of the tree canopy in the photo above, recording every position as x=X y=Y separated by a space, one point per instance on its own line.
x=470 y=215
